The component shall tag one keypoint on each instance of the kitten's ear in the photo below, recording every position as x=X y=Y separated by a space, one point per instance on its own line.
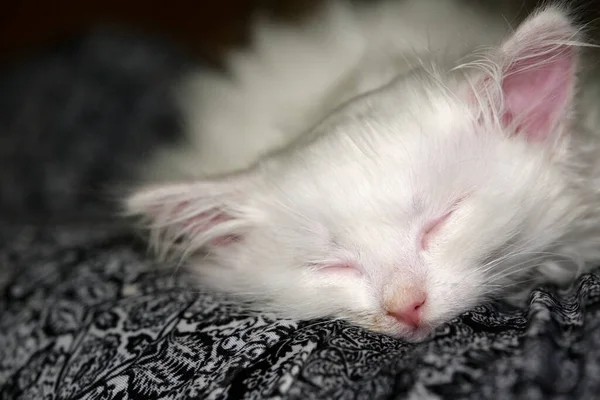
x=193 y=215
x=536 y=77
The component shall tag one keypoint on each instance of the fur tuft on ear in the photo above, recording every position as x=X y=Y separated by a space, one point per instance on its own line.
x=529 y=88
x=186 y=217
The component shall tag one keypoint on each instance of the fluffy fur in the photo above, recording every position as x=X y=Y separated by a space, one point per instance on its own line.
x=367 y=156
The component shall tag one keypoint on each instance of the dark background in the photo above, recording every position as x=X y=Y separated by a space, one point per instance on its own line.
x=204 y=27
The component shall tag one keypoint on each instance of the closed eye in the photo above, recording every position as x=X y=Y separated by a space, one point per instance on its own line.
x=431 y=228
x=340 y=268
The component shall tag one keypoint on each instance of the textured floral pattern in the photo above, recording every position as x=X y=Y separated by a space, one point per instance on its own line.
x=86 y=314
x=97 y=319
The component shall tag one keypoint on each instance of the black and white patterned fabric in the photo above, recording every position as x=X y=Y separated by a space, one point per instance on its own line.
x=85 y=312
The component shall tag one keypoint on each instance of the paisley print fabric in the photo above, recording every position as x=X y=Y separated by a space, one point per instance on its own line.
x=88 y=315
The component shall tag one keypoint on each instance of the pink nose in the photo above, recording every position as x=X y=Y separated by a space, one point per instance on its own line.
x=411 y=314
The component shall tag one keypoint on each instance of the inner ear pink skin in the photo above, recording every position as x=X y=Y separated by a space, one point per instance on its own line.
x=223 y=241
x=204 y=221
x=538 y=93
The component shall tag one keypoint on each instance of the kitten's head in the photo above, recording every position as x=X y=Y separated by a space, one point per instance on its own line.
x=408 y=207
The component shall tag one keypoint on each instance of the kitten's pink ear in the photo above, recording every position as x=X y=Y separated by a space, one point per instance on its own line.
x=192 y=215
x=537 y=77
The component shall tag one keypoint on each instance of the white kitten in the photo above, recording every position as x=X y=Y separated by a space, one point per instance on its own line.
x=431 y=185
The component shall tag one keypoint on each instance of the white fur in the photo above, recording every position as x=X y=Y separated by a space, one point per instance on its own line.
x=295 y=75
x=366 y=115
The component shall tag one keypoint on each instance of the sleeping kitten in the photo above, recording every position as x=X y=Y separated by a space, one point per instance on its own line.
x=377 y=165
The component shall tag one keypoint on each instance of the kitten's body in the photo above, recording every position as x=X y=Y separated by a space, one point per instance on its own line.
x=381 y=129
x=295 y=75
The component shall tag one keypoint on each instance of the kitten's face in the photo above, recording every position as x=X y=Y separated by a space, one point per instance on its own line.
x=412 y=205
x=423 y=217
